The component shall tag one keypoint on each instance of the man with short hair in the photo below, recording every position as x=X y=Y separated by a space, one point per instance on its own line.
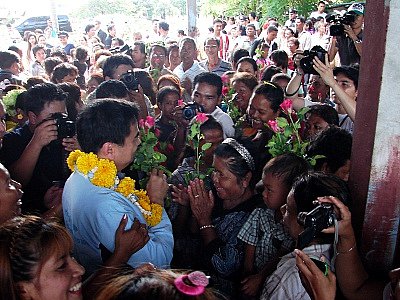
x=291 y=22
x=189 y=68
x=213 y=63
x=245 y=42
x=90 y=30
x=67 y=47
x=163 y=30
x=92 y=212
x=112 y=32
x=267 y=37
x=320 y=13
x=158 y=54
x=349 y=45
x=120 y=65
x=223 y=39
x=37 y=67
x=207 y=91
x=139 y=54
x=10 y=68
x=34 y=154
x=303 y=35
x=253 y=19
x=100 y=33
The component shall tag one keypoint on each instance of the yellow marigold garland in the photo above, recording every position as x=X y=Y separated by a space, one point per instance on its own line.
x=103 y=173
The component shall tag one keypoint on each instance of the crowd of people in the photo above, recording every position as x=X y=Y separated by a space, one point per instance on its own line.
x=76 y=219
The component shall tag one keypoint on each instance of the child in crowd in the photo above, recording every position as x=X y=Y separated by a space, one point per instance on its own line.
x=263 y=233
x=318 y=118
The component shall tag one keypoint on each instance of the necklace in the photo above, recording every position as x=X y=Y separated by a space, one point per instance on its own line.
x=103 y=173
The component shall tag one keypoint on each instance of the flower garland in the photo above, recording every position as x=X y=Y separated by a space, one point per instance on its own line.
x=103 y=173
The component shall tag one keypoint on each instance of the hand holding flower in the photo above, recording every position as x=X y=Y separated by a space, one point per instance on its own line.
x=157 y=186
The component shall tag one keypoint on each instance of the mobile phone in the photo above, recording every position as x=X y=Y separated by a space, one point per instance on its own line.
x=323 y=266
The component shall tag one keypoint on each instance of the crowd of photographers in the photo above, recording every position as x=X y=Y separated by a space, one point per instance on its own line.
x=246 y=224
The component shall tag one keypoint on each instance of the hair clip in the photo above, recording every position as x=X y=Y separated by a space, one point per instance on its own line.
x=192 y=284
x=270 y=84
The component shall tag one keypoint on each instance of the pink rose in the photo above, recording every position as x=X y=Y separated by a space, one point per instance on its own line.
x=141 y=123
x=180 y=102
x=149 y=123
x=201 y=118
x=225 y=91
x=225 y=78
x=274 y=126
x=286 y=106
x=157 y=132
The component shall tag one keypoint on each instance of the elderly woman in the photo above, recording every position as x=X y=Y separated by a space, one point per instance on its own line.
x=219 y=222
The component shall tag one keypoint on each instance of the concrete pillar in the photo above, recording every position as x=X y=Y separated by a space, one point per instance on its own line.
x=191 y=12
x=375 y=174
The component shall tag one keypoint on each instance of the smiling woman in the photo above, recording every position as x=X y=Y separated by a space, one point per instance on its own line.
x=35 y=261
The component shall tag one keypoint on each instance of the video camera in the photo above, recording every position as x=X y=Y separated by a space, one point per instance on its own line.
x=320 y=218
x=130 y=80
x=338 y=21
x=306 y=62
x=190 y=110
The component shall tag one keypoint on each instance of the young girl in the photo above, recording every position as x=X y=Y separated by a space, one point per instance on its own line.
x=263 y=232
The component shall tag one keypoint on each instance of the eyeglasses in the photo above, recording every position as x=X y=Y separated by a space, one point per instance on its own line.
x=155 y=55
x=211 y=47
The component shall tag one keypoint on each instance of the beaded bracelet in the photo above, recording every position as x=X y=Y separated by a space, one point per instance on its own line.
x=207 y=226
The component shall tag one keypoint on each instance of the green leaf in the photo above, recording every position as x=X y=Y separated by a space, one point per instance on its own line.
x=206 y=146
x=282 y=122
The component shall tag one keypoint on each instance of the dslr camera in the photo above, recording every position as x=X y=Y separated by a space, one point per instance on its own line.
x=320 y=218
x=65 y=127
x=130 y=80
x=306 y=62
x=190 y=110
x=338 y=21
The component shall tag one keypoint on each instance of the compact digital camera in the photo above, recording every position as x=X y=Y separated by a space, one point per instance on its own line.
x=130 y=80
x=306 y=62
x=190 y=110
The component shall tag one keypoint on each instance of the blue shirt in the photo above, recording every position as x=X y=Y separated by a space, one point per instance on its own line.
x=92 y=215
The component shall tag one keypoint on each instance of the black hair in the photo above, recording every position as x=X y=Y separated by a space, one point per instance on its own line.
x=163 y=92
x=302 y=19
x=110 y=27
x=73 y=96
x=335 y=145
x=272 y=28
x=211 y=124
x=210 y=79
x=163 y=25
x=172 y=47
x=112 y=89
x=280 y=76
x=238 y=54
x=280 y=58
x=36 y=48
x=41 y=94
x=217 y=21
x=142 y=46
x=325 y=112
x=50 y=63
x=309 y=186
x=62 y=70
x=59 y=53
x=247 y=79
x=81 y=53
x=153 y=46
x=187 y=39
x=251 y=25
x=88 y=27
x=147 y=84
x=253 y=14
x=8 y=58
x=287 y=167
x=272 y=92
x=113 y=62
x=15 y=49
x=352 y=72
x=119 y=40
x=105 y=120
x=250 y=61
x=235 y=162
x=269 y=72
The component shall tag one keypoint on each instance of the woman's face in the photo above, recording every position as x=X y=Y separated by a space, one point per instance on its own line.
x=10 y=196
x=292 y=47
x=288 y=34
x=168 y=105
x=226 y=183
x=260 y=111
x=42 y=41
x=243 y=95
x=32 y=40
x=60 y=277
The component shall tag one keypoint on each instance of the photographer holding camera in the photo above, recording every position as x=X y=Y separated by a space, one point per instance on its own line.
x=34 y=153
x=349 y=42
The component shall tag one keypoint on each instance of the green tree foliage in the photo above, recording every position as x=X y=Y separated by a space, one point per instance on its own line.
x=264 y=8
